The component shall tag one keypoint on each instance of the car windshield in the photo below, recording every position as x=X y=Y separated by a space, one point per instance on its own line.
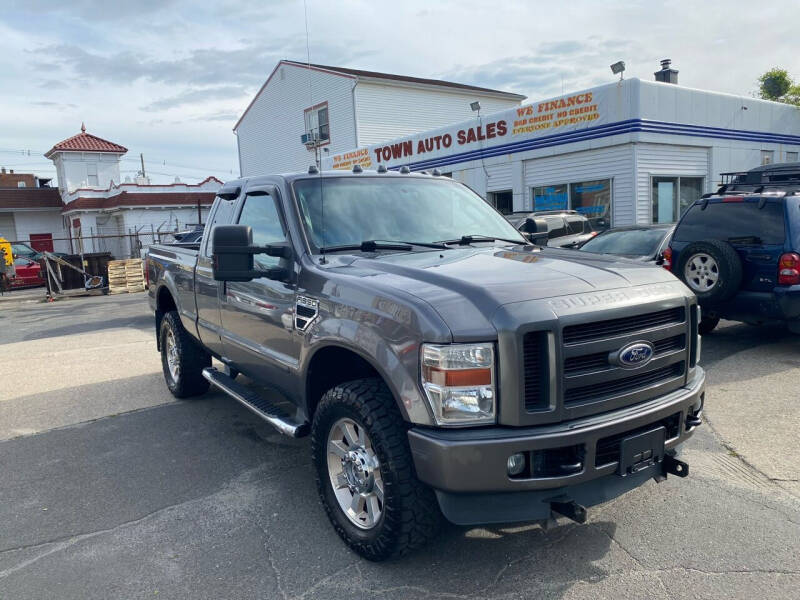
x=348 y=210
x=22 y=249
x=628 y=242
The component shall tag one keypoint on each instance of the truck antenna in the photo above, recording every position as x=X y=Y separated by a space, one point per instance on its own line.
x=317 y=161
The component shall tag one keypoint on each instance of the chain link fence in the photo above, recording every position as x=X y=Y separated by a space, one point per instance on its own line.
x=119 y=245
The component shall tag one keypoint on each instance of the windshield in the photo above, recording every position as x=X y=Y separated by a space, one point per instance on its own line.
x=22 y=249
x=630 y=242
x=392 y=209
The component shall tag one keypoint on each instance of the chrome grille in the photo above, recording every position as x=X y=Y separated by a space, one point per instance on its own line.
x=591 y=380
x=599 y=360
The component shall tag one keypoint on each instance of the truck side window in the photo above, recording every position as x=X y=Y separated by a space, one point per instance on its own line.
x=261 y=213
x=221 y=215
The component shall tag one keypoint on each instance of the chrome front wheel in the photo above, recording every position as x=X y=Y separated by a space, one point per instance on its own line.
x=173 y=357
x=355 y=473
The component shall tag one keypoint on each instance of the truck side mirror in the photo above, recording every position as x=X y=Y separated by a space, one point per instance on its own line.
x=232 y=252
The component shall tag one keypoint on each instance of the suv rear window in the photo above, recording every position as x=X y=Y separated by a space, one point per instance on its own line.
x=726 y=220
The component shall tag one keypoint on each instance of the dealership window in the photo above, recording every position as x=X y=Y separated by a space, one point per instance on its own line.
x=317 y=121
x=590 y=198
x=502 y=201
x=550 y=197
x=91 y=174
x=767 y=157
x=593 y=200
x=671 y=196
x=791 y=157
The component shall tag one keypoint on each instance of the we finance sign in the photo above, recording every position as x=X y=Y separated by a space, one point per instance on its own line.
x=533 y=120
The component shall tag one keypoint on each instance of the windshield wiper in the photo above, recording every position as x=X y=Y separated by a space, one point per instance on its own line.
x=373 y=245
x=465 y=240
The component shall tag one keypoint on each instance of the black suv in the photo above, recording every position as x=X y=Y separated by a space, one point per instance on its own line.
x=564 y=228
x=738 y=250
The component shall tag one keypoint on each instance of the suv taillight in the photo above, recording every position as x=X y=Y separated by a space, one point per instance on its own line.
x=789 y=269
x=666 y=259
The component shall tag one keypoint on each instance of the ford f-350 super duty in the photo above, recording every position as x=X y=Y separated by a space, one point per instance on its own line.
x=442 y=364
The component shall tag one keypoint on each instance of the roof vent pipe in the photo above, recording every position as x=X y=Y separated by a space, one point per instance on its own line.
x=667 y=74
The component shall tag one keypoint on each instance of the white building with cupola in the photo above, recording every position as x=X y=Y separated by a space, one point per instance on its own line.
x=85 y=161
x=93 y=210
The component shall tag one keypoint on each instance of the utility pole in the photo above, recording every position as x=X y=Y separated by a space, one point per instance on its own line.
x=199 y=214
x=141 y=157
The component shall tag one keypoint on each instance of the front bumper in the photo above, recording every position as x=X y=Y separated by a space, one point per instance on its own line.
x=468 y=468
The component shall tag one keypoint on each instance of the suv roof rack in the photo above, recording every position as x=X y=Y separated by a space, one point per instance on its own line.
x=568 y=211
x=780 y=175
x=722 y=193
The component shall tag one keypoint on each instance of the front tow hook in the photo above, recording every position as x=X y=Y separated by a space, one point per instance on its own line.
x=673 y=466
x=693 y=421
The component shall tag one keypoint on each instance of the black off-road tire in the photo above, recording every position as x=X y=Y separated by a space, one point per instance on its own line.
x=707 y=325
x=192 y=359
x=411 y=515
x=729 y=270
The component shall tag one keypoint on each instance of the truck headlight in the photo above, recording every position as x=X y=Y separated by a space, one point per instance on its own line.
x=459 y=382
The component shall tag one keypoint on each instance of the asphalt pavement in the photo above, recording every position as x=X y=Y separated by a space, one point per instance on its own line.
x=111 y=489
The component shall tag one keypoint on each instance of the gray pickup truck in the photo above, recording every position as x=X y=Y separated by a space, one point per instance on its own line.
x=441 y=363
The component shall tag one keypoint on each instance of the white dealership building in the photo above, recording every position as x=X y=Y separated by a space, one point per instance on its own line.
x=631 y=151
x=336 y=108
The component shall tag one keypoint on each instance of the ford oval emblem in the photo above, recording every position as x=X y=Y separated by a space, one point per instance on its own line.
x=635 y=355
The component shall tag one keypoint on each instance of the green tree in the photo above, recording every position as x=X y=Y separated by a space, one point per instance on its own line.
x=776 y=84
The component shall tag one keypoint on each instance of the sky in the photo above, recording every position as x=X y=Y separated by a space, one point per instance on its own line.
x=168 y=78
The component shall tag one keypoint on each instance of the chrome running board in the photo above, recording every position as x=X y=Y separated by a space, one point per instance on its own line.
x=261 y=406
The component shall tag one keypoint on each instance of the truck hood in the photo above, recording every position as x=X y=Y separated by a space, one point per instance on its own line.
x=466 y=286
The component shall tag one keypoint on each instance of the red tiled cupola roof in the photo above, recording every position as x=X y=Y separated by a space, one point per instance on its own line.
x=86 y=142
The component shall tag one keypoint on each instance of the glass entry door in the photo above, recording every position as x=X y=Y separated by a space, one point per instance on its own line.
x=673 y=195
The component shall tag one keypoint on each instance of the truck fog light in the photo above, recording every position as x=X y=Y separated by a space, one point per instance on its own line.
x=516 y=464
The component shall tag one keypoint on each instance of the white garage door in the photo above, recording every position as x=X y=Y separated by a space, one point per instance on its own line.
x=7 y=229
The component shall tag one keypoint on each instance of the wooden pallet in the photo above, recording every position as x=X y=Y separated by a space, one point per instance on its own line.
x=125 y=276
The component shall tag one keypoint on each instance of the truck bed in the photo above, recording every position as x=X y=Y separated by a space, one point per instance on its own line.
x=176 y=262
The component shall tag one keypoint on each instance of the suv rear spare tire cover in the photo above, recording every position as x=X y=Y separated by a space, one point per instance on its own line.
x=712 y=270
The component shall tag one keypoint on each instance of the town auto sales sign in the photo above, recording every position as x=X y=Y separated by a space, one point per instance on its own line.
x=575 y=111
